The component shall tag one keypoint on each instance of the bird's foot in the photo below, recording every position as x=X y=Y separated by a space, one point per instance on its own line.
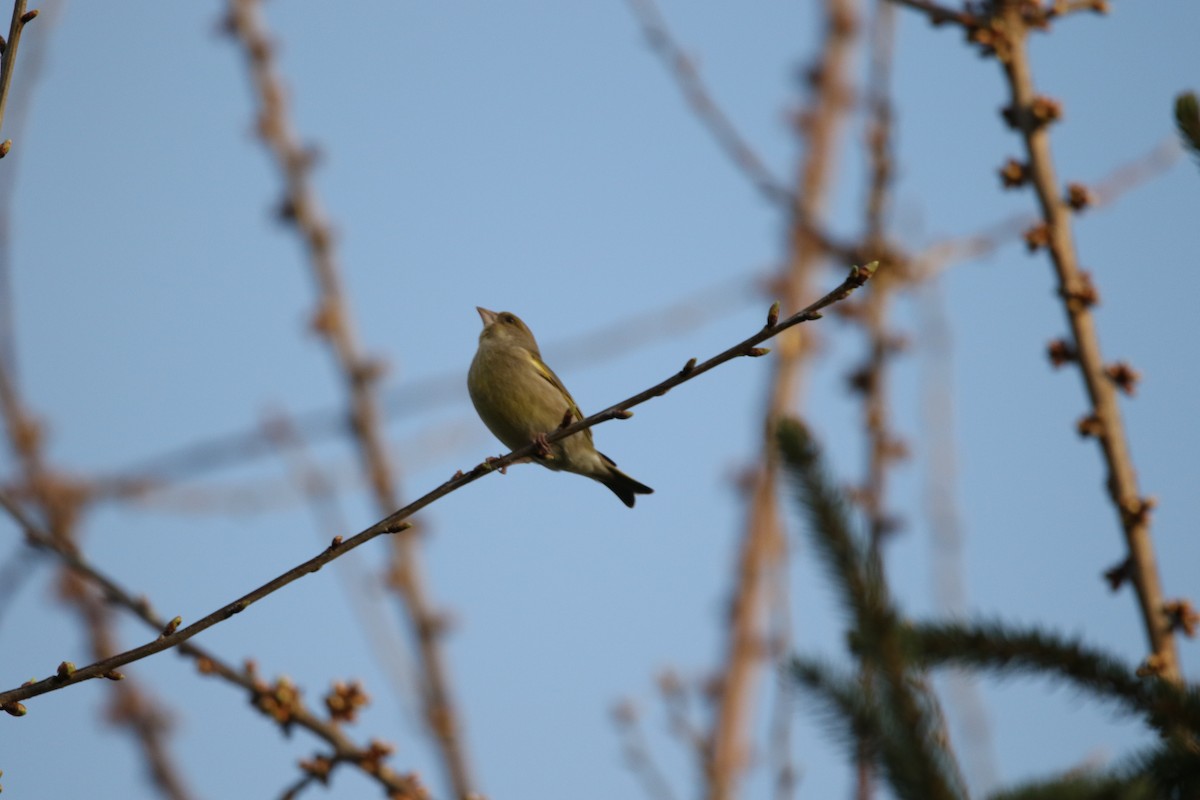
x=542 y=447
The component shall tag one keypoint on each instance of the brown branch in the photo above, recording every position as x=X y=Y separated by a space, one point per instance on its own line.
x=396 y=521
x=112 y=592
x=1030 y=115
x=20 y=17
x=334 y=321
x=762 y=540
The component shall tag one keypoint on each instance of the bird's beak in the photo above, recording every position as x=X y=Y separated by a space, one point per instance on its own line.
x=488 y=317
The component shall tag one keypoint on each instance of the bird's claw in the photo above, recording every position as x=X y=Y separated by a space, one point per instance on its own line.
x=542 y=447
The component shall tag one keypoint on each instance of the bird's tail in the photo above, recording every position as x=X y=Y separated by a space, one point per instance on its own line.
x=621 y=484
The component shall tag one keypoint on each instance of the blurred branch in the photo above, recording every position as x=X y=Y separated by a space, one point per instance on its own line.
x=255 y=495
x=762 y=543
x=612 y=339
x=637 y=753
x=780 y=757
x=60 y=503
x=1030 y=115
x=396 y=521
x=334 y=321
x=20 y=18
x=883 y=447
x=320 y=492
x=939 y=14
x=710 y=114
x=946 y=525
x=870 y=380
x=406 y=786
x=936 y=258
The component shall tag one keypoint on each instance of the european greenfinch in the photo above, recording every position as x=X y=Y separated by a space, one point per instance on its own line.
x=520 y=399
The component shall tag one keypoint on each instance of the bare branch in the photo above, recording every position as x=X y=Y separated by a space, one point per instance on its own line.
x=1031 y=115
x=406 y=786
x=710 y=114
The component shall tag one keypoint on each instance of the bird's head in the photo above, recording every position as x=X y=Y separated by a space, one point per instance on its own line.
x=505 y=327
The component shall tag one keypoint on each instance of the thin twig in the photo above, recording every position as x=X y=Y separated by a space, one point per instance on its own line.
x=406 y=786
x=396 y=521
x=20 y=17
x=334 y=320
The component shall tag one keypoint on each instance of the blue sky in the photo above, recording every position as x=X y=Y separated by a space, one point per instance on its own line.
x=536 y=157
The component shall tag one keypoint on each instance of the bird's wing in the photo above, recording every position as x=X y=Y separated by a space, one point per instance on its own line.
x=549 y=375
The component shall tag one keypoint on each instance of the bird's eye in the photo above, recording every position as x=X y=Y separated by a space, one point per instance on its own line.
x=508 y=318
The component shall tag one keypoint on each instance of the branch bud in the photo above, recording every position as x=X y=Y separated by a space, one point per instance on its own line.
x=1089 y=425
x=1013 y=174
x=171 y=627
x=1060 y=352
x=773 y=315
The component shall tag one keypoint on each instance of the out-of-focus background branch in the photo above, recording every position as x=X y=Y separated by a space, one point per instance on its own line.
x=639 y=187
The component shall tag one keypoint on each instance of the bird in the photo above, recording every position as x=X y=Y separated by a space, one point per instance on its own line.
x=520 y=400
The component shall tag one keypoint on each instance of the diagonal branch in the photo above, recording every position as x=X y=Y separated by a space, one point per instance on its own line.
x=710 y=114
x=1030 y=114
x=396 y=521
x=405 y=786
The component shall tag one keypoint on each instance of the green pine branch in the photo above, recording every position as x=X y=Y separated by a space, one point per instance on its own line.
x=901 y=702
x=1006 y=650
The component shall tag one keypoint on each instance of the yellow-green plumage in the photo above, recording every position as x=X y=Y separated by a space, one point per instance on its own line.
x=519 y=398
